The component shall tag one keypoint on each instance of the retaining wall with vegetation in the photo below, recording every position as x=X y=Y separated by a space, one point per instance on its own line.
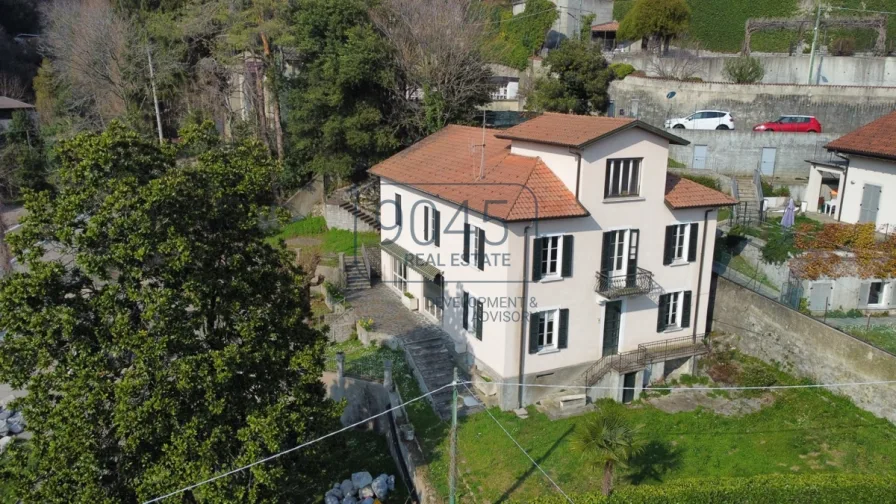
x=773 y=332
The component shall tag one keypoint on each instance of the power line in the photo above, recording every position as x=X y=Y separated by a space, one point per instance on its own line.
x=523 y=449
x=770 y=387
x=276 y=455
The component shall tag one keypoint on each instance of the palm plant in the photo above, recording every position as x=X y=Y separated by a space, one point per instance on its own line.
x=606 y=441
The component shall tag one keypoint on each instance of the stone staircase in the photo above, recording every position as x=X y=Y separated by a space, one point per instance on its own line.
x=361 y=214
x=355 y=274
x=746 y=191
x=434 y=362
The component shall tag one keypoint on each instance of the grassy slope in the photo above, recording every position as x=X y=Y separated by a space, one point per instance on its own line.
x=333 y=241
x=804 y=431
x=719 y=24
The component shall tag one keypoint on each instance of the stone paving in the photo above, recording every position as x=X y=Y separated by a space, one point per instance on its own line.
x=424 y=342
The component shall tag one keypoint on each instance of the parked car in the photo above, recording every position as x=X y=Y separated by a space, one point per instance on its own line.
x=703 y=120
x=792 y=124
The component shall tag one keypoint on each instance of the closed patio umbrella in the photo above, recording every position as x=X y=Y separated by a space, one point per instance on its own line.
x=789 y=213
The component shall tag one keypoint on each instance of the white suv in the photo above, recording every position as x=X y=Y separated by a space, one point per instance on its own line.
x=704 y=120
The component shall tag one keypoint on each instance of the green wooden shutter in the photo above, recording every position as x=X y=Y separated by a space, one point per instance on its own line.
x=537 y=251
x=479 y=319
x=466 y=303
x=481 y=256
x=662 y=313
x=607 y=179
x=692 y=246
x=670 y=245
x=566 y=267
x=634 y=240
x=686 y=309
x=466 y=255
x=437 y=227
x=426 y=236
x=398 y=209
x=564 y=328
x=533 y=332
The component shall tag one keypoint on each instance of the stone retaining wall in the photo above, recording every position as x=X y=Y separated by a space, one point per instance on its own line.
x=772 y=332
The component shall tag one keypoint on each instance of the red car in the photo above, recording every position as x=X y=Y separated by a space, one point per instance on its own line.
x=791 y=124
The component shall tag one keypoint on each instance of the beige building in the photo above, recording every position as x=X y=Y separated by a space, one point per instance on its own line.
x=563 y=253
x=856 y=182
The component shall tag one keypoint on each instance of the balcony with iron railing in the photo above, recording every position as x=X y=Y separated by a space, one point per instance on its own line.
x=616 y=286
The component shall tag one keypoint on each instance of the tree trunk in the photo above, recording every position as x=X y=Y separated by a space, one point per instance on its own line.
x=275 y=98
x=260 y=102
x=607 y=484
x=5 y=254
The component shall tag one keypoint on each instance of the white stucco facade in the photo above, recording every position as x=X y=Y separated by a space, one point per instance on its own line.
x=503 y=349
x=851 y=180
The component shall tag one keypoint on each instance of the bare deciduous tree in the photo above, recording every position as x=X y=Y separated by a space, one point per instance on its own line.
x=437 y=45
x=12 y=87
x=682 y=63
x=88 y=43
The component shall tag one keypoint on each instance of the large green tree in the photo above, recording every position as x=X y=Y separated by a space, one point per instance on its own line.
x=657 y=20
x=160 y=339
x=337 y=103
x=577 y=81
x=512 y=40
x=22 y=157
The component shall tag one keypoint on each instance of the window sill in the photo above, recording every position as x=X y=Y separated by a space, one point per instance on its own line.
x=679 y=263
x=550 y=279
x=623 y=199
x=670 y=330
x=548 y=351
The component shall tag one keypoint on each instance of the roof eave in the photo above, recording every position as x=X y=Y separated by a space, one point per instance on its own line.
x=856 y=152
x=691 y=207
x=637 y=123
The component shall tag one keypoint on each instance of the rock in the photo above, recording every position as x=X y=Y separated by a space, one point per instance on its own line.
x=347 y=488
x=380 y=486
x=16 y=418
x=391 y=482
x=361 y=479
x=349 y=500
x=368 y=500
x=4 y=414
x=366 y=492
x=4 y=442
x=16 y=428
x=4 y=429
x=331 y=499
x=336 y=492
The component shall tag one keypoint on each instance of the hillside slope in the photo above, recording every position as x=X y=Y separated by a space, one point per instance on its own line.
x=719 y=24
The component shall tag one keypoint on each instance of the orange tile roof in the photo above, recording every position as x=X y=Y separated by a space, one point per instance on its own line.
x=684 y=193
x=606 y=27
x=446 y=165
x=570 y=130
x=875 y=139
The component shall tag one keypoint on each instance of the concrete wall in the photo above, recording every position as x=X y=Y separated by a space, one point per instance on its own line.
x=302 y=202
x=870 y=171
x=570 y=11
x=774 y=333
x=840 y=109
x=740 y=152
x=340 y=218
x=780 y=69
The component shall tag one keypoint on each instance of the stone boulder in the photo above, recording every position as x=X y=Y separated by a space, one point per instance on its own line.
x=380 y=486
x=361 y=479
x=347 y=488
x=349 y=500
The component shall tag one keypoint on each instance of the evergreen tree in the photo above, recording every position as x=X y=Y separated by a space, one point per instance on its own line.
x=578 y=80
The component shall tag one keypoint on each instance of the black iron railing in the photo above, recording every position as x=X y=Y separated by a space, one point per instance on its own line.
x=615 y=286
x=646 y=354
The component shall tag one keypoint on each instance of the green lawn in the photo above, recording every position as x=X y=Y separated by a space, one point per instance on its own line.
x=881 y=336
x=332 y=241
x=803 y=431
x=741 y=265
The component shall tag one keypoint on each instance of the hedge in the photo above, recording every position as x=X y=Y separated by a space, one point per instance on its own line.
x=768 y=489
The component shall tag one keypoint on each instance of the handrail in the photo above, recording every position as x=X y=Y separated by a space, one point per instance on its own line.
x=630 y=284
x=646 y=354
x=757 y=181
x=366 y=262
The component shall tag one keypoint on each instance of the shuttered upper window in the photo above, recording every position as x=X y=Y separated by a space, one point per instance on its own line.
x=623 y=178
x=552 y=257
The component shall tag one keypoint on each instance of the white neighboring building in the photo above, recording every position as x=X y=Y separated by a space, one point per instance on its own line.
x=857 y=183
x=572 y=258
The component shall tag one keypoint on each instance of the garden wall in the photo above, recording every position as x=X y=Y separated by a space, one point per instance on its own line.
x=772 y=332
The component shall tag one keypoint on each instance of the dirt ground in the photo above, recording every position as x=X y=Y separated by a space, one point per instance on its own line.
x=688 y=400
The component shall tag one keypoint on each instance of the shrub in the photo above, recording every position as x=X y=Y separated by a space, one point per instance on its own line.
x=366 y=323
x=757 y=375
x=622 y=70
x=408 y=295
x=778 y=247
x=673 y=163
x=703 y=180
x=743 y=70
x=843 y=46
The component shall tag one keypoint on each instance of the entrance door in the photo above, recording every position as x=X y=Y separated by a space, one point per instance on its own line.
x=870 y=204
x=617 y=253
x=612 y=324
x=700 y=152
x=768 y=160
x=628 y=388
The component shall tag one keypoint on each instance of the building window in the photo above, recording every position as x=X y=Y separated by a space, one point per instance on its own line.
x=399 y=274
x=623 y=178
x=617 y=251
x=472 y=319
x=546 y=330
x=876 y=293
x=550 y=256
x=674 y=311
x=681 y=243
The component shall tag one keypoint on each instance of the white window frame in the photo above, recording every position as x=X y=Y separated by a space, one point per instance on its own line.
x=550 y=332
x=474 y=246
x=882 y=296
x=615 y=165
x=432 y=225
x=617 y=256
x=673 y=316
x=398 y=281
x=684 y=245
x=545 y=249
x=471 y=314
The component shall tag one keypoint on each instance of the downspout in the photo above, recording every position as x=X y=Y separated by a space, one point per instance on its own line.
x=578 y=154
x=523 y=317
x=842 y=195
x=700 y=273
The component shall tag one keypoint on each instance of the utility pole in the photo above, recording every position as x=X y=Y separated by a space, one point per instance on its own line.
x=452 y=468
x=155 y=99
x=814 y=42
